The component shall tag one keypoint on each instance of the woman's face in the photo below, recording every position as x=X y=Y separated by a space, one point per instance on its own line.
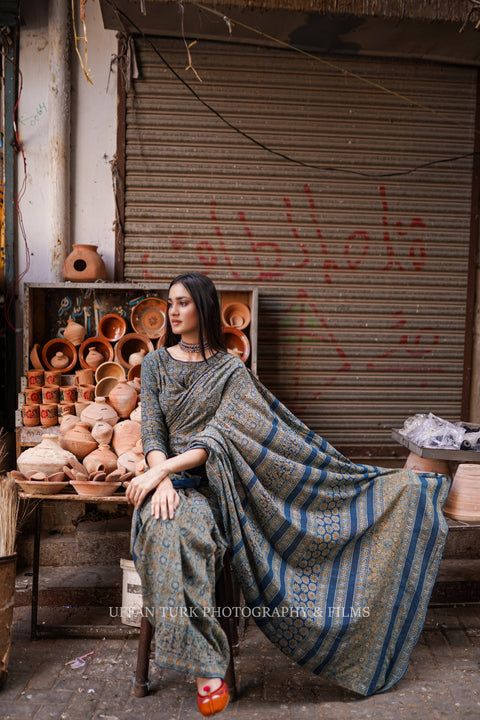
x=182 y=312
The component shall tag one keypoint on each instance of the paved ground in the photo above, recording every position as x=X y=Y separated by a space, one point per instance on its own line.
x=443 y=680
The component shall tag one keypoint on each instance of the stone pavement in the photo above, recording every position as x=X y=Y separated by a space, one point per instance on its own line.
x=443 y=680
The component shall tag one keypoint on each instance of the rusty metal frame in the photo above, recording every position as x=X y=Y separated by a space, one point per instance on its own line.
x=120 y=169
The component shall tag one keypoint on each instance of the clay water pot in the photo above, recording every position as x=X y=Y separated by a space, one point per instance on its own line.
x=59 y=361
x=463 y=501
x=101 y=459
x=101 y=346
x=79 y=440
x=136 y=415
x=68 y=422
x=74 y=332
x=126 y=435
x=102 y=432
x=47 y=457
x=136 y=358
x=422 y=464
x=93 y=357
x=123 y=398
x=84 y=264
x=133 y=460
x=99 y=410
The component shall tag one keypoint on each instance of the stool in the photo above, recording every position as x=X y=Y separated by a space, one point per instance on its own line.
x=226 y=595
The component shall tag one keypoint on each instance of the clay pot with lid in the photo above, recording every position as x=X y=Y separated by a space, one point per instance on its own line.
x=126 y=435
x=84 y=264
x=59 y=361
x=99 y=410
x=74 y=332
x=79 y=440
x=101 y=459
x=47 y=457
x=123 y=398
x=68 y=422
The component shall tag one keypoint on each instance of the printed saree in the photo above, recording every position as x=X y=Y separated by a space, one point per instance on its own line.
x=336 y=560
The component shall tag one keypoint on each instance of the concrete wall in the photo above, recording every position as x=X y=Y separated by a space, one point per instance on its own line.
x=93 y=140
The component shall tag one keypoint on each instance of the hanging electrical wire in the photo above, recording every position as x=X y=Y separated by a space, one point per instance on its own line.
x=278 y=153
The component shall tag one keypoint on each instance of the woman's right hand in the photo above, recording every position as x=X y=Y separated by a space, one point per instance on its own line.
x=165 y=500
x=139 y=487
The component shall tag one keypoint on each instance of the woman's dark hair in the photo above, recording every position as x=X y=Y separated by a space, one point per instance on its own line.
x=205 y=297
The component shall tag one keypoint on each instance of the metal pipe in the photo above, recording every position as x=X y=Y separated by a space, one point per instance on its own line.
x=59 y=30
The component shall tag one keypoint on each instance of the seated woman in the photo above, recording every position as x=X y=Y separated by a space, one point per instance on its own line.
x=336 y=560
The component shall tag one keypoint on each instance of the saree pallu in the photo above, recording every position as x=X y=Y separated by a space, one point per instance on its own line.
x=336 y=560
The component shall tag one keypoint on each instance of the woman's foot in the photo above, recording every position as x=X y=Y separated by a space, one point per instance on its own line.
x=212 y=695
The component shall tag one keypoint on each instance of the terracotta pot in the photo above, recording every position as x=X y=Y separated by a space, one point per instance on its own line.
x=102 y=432
x=80 y=406
x=47 y=457
x=421 y=464
x=53 y=377
x=148 y=317
x=86 y=393
x=236 y=315
x=463 y=501
x=136 y=415
x=135 y=373
x=65 y=408
x=94 y=358
x=135 y=384
x=68 y=393
x=126 y=435
x=84 y=264
x=36 y=378
x=133 y=460
x=131 y=343
x=101 y=346
x=112 y=327
x=136 y=358
x=35 y=357
x=68 y=422
x=59 y=360
x=63 y=346
x=50 y=394
x=99 y=410
x=33 y=395
x=101 y=459
x=74 y=332
x=79 y=440
x=123 y=398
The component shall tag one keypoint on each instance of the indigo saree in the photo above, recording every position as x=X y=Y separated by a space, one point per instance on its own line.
x=336 y=560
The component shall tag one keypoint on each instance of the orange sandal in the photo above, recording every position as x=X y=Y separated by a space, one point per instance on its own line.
x=215 y=701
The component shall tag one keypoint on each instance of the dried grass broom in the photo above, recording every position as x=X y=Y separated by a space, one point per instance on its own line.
x=9 y=507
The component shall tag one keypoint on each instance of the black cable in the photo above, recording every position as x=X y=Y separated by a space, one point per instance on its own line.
x=261 y=145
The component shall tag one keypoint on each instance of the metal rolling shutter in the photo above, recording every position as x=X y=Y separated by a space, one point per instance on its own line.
x=362 y=280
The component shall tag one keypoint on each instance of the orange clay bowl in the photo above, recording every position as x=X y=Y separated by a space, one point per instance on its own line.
x=112 y=327
x=236 y=315
x=103 y=347
x=135 y=372
x=131 y=343
x=148 y=317
x=95 y=489
x=59 y=345
x=41 y=487
x=236 y=343
x=35 y=357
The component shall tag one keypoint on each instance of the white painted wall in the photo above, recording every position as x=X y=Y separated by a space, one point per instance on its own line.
x=93 y=141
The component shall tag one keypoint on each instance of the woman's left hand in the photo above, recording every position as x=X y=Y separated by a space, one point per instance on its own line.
x=140 y=486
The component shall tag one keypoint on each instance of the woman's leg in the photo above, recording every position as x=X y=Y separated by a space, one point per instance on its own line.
x=176 y=560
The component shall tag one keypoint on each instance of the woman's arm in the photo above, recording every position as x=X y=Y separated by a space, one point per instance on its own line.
x=165 y=499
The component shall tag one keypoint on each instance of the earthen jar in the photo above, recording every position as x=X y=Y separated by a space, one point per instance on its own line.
x=421 y=464
x=136 y=415
x=126 y=434
x=74 y=332
x=132 y=459
x=68 y=422
x=136 y=358
x=59 y=360
x=135 y=384
x=47 y=457
x=99 y=410
x=84 y=264
x=102 y=432
x=79 y=440
x=101 y=459
x=94 y=358
x=123 y=398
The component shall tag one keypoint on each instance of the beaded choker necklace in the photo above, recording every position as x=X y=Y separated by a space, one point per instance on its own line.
x=191 y=347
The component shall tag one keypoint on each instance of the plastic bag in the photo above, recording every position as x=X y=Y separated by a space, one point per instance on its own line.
x=433 y=432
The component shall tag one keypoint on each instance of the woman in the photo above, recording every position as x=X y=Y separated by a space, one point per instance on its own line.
x=336 y=560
